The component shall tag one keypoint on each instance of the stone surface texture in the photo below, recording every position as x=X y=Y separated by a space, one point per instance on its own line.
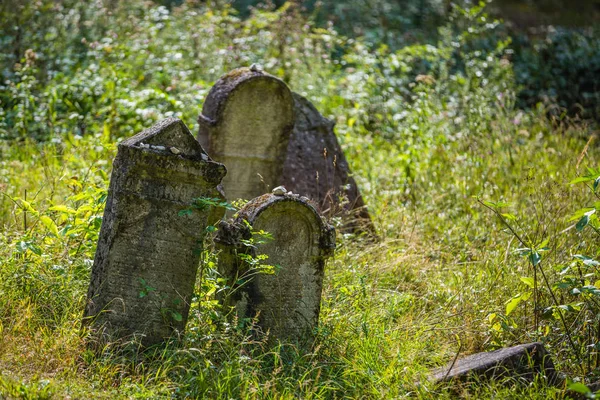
x=268 y=136
x=246 y=122
x=287 y=302
x=522 y=362
x=147 y=256
x=315 y=167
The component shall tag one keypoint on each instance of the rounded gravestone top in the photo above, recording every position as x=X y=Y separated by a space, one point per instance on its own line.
x=222 y=91
x=253 y=209
x=246 y=122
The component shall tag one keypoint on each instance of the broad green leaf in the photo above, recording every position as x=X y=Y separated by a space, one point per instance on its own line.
x=586 y=178
x=23 y=246
x=28 y=207
x=509 y=217
x=581 y=213
x=579 y=387
x=491 y=204
x=528 y=281
x=512 y=304
x=582 y=223
x=176 y=316
x=590 y=262
x=50 y=225
x=535 y=258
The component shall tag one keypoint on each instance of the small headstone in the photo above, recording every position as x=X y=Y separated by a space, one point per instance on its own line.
x=148 y=251
x=267 y=135
x=521 y=362
x=288 y=301
x=246 y=123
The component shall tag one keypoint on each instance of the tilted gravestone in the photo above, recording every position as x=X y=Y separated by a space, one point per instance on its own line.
x=288 y=301
x=268 y=136
x=147 y=257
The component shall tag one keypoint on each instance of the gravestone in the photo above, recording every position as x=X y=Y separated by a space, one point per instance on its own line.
x=246 y=123
x=315 y=167
x=288 y=301
x=520 y=362
x=147 y=257
x=268 y=136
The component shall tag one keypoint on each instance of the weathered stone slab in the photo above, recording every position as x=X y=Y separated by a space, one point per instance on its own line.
x=268 y=136
x=522 y=362
x=315 y=167
x=246 y=123
x=147 y=257
x=287 y=302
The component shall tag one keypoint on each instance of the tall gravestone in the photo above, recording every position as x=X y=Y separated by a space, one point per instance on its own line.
x=268 y=136
x=287 y=302
x=147 y=257
x=246 y=123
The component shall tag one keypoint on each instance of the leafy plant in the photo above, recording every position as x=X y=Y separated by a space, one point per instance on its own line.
x=573 y=291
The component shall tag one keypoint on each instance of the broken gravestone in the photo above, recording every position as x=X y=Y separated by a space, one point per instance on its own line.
x=267 y=136
x=520 y=363
x=287 y=301
x=147 y=257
